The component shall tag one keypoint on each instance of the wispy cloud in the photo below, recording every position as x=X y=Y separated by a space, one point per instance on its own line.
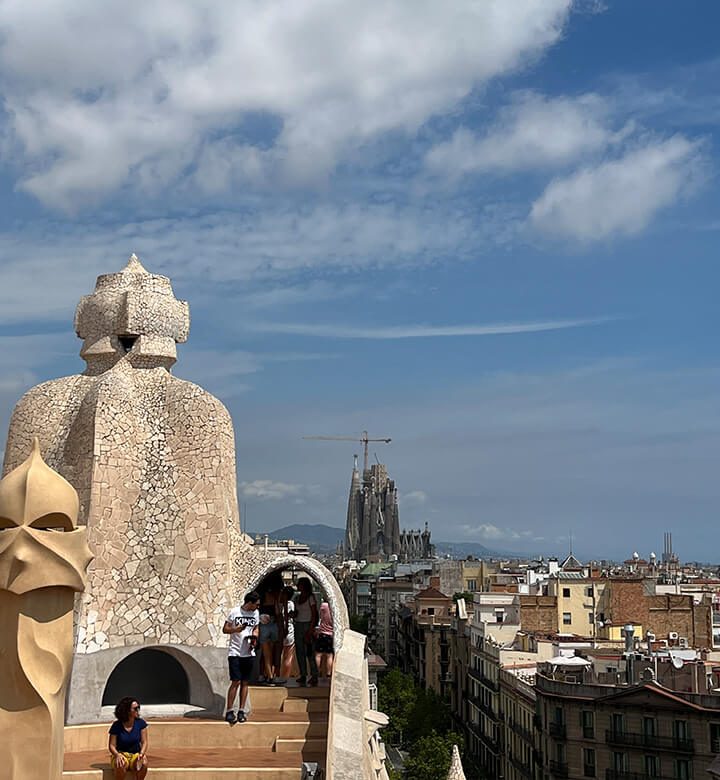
x=422 y=331
x=620 y=196
x=533 y=131
x=272 y=490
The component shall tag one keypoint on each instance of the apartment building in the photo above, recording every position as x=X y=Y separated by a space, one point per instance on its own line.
x=424 y=628
x=625 y=732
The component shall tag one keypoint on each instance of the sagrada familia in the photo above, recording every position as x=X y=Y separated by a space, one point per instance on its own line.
x=146 y=463
x=372 y=531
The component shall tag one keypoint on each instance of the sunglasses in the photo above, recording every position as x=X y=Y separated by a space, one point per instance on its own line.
x=136 y=709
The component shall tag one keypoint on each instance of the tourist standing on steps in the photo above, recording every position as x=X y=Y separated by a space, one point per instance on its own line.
x=287 y=632
x=269 y=628
x=128 y=740
x=324 y=646
x=306 y=618
x=243 y=626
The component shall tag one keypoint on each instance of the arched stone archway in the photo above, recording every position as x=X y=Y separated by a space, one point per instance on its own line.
x=152 y=675
x=323 y=576
x=204 y=670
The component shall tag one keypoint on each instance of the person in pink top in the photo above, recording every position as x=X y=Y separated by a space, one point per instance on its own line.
x=324 y=647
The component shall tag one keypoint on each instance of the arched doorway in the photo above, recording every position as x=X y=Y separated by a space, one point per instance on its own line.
x=153 y=676
x=325 y=580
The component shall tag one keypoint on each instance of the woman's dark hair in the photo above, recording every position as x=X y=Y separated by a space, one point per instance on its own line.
x=124 y=708
x=271 y=584
x=288 y=591
x=305 y=585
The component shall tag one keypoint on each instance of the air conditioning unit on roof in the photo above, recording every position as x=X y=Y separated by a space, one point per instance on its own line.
x=683 y=642
x=673 y=635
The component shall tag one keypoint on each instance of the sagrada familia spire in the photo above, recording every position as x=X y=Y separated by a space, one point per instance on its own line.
x=373 y=519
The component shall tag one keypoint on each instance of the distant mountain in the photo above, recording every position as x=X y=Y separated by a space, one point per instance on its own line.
x=321 y=538
x=463 y=549
x=325 y=538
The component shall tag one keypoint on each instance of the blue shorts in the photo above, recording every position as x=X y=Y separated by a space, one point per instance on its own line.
x=269 y=632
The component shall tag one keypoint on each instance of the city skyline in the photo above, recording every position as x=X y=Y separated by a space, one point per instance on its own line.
x=487 y=232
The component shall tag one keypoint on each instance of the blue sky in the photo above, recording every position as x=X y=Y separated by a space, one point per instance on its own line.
x=486 y=229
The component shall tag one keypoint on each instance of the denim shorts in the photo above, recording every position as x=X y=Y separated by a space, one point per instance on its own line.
x=269 y=632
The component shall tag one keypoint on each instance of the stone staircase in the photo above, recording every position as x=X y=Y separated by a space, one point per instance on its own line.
x=287 y=726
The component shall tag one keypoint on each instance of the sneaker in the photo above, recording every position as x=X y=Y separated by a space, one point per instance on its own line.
x=241 y=717
x=300 y=681
x=230 y=716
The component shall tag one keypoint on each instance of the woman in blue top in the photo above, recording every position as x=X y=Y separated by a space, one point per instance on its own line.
x=128 y=740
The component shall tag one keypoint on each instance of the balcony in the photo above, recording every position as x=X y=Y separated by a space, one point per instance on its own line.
x=558 y=768
x=486 y=739
x=521 y=731
x=476 y=674
x=649 y=741
x=524 y=769
x=614 y=774
x=557 y=730
x=486 y=708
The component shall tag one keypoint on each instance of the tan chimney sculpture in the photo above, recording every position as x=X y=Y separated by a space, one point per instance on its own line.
x=43 y=562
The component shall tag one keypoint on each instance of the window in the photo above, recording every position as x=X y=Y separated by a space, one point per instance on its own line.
x=566 y=593
x=649 y=727
x=682 y=769
x=588 y=724
x=617 y=721
x=589 y=591
x=588 y=762
x=715 y=737
x=499 y=615
x=567 y=619
x=620 y=762
x=472 y=586
x=559 y=716
x=591 y=617
x=431 y=610
x=680 y=730
x=652 y=766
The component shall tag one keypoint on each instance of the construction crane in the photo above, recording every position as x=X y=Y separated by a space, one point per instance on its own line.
x=364 y=440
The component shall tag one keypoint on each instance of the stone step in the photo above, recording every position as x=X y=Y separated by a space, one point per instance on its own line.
x=198 y=764
x=260 y=731
x=268 y=698
x=312 y=745
x=306 y=705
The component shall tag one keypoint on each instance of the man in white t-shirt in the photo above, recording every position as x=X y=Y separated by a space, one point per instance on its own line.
x=243 y=625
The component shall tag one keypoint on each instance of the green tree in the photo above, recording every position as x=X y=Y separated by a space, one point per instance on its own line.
x=397 y=698
x=359 y=623
x=430 y=756
x=429 y=714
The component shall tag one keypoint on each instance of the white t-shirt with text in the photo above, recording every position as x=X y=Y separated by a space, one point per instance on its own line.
x=240 y=643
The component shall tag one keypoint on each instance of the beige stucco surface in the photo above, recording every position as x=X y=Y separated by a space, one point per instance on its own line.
x=43 y=558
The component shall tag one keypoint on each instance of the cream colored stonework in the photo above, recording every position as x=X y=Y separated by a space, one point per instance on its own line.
x=153 y=460
x=456 y=768
x=43 y=558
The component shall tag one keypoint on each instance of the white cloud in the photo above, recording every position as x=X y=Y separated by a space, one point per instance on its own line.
x=129 y=94
x=619 y=196
x=215 y=251
x=493 y=533
x=533 y=131
x=416 y=497
x=419 y=331
x=268 y=489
